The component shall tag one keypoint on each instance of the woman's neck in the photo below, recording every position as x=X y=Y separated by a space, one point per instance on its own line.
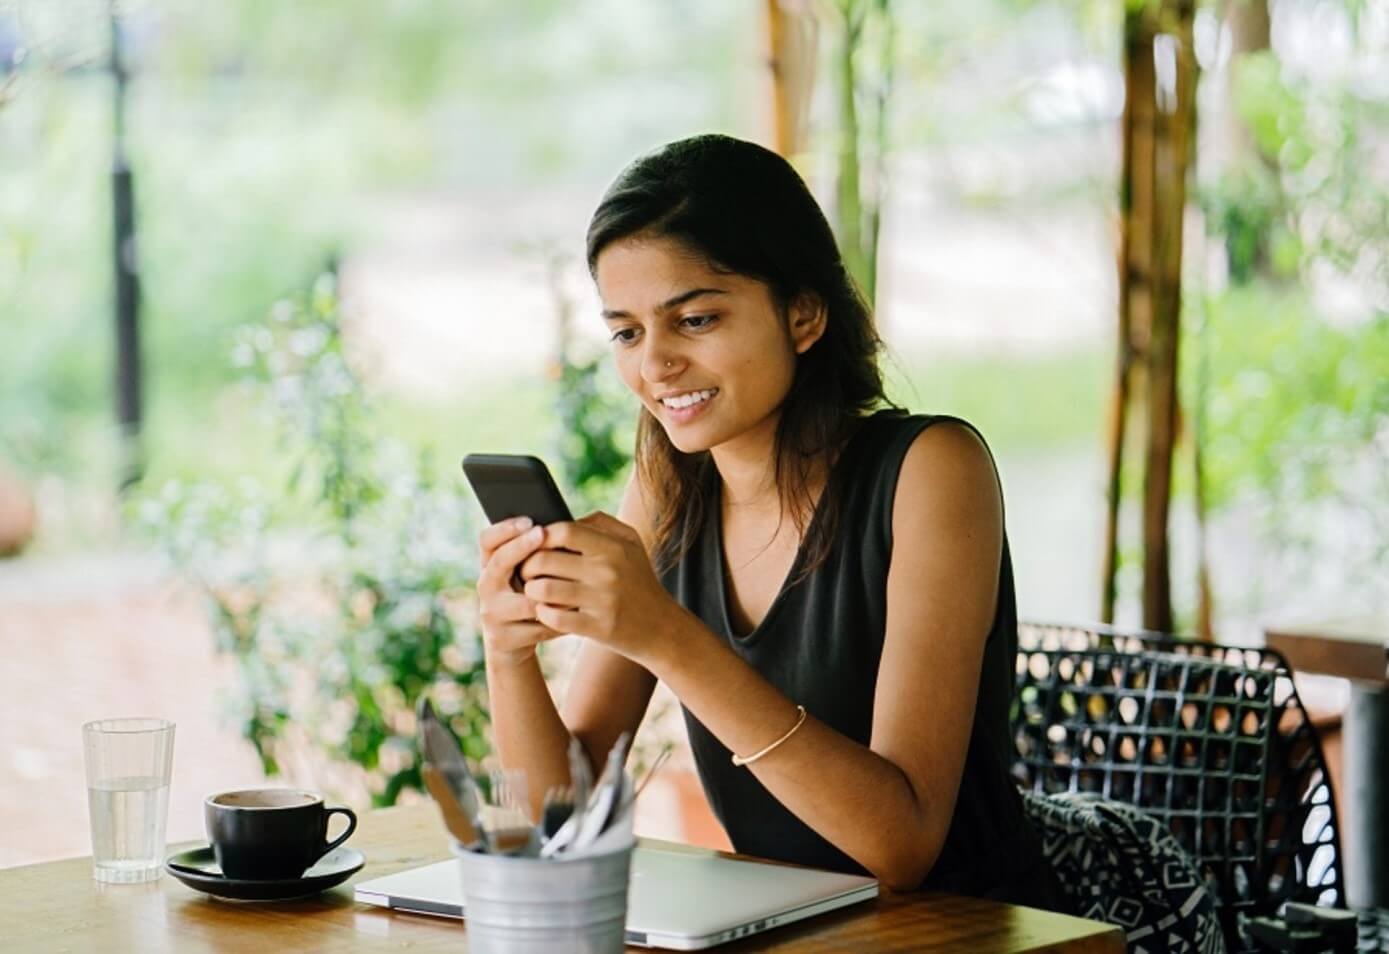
x=748 y=484
x=747 y=472
x=747 y=467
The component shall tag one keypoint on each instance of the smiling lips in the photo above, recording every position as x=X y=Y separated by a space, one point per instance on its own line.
x=682 y=407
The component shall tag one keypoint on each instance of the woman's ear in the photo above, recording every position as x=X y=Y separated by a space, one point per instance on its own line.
x=808 y=316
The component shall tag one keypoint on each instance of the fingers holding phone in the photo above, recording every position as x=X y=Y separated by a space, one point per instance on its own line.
x=520 y=497
x=506 y=615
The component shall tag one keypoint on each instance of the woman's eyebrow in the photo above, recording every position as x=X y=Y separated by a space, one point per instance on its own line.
x=668 y=304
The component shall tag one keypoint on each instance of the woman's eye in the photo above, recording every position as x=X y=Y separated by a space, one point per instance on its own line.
x=698 y=321
x=624 y=335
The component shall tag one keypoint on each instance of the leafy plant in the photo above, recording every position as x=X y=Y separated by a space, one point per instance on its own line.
x=1295 y=374
x=348 y=597
x=594 y=415
x=595 y=430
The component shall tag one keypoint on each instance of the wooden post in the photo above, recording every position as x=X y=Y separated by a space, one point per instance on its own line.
x=1159 y=116
x=792 y=38
x=783 y=114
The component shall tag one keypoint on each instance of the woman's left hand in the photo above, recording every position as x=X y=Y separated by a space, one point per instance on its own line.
x=603 y=588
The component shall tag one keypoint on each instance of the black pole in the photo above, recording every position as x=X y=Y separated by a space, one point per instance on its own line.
x=128 y=383
x=1365 y=729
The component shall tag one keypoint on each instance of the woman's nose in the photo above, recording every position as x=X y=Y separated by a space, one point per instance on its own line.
x=659 y=363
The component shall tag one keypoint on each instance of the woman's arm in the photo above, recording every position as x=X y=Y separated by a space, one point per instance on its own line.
x=608 y=695
x=888 y=805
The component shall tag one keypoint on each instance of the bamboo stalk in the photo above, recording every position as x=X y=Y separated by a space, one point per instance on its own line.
x=1171 y=154
x=1157 y=144
x=848 y=198
x=1205 y=597
x=1133 y=280
x=881 y=102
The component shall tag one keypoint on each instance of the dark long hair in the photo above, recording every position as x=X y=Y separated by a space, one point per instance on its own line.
x=745 y=210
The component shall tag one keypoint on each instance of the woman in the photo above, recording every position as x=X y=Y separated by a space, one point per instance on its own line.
x=825 y=588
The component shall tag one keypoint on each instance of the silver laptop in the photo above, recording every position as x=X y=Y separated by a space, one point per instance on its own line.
x=680 y=898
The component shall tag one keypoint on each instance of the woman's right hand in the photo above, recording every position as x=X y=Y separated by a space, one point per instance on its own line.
x=509 y=628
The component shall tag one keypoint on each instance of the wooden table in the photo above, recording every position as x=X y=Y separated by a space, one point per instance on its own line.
x=1358 y=650
x=57 y=907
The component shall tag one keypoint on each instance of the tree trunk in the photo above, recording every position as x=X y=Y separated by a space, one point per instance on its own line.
x=1158 y=121
x=1135 y=273
x=1136 y=82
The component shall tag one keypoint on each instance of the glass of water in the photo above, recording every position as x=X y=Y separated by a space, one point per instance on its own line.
x=129 y=762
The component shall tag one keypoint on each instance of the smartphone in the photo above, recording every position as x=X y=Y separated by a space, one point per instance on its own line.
x=515 y=485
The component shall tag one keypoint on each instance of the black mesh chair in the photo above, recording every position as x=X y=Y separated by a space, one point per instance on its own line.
x=1212 y=740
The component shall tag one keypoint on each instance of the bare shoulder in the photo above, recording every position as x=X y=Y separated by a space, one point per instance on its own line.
x=948 y=472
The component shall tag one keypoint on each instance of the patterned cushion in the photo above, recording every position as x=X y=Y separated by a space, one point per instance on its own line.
x=1124 y=867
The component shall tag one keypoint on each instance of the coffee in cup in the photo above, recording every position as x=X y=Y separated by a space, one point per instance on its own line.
x=270 y=833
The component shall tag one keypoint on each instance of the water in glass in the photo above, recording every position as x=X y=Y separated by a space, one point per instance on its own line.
x=128 y=816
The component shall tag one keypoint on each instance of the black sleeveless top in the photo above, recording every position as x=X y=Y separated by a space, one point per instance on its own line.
x=820 y=644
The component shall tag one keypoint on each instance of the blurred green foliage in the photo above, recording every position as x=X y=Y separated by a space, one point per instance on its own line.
x=1063 y=395
x=595 y=426
x=864 y=64
x=1292 y=362
x=1295 y=401
x=262 y=133
x=337 y=565
x=259 y=132
x=345 y=596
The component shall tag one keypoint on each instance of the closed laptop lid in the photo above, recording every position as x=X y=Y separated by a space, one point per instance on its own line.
x=679 y=896
x=698 y=894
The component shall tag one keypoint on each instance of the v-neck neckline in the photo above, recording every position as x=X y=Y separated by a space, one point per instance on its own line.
x=790 y=581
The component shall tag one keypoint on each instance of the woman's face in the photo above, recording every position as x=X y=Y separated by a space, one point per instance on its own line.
x=708 y=354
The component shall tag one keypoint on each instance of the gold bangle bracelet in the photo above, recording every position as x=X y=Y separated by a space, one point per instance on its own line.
x=800 y=720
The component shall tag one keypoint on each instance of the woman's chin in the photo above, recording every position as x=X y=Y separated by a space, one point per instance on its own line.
x=687 y=445
x=686 y=439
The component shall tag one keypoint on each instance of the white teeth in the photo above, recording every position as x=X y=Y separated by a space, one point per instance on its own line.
x=689 y=400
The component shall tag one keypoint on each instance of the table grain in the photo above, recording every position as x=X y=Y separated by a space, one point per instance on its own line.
x=57 y=907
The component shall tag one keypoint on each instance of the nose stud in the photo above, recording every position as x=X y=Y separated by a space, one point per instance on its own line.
x=669 y=363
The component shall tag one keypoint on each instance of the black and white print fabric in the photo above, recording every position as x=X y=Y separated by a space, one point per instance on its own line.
x=1124 y=867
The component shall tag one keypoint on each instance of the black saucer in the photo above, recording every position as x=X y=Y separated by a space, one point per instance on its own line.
x=198 y=869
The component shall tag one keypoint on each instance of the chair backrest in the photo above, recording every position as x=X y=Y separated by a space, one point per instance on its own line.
x=1213 y=740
